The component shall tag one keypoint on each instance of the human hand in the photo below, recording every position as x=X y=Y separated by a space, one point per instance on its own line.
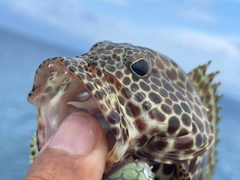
x=78 y=150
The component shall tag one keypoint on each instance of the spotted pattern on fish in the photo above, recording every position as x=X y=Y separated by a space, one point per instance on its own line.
x=155 y=111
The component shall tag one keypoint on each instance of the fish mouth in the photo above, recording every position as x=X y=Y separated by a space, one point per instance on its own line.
x=59 y=94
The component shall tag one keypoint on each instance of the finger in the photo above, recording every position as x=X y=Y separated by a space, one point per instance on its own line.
x=77 y=151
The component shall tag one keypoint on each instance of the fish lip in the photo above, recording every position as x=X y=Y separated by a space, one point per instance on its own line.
x=51 y=114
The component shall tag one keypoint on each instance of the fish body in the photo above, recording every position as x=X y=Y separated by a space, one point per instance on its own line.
x=154 y=111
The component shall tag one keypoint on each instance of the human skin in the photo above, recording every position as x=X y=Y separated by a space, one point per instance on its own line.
x=78 y=150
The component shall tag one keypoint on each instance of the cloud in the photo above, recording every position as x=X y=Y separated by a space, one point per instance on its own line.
x=208 y=42
x=76 y=19
x=188 y=46
x=195 y=14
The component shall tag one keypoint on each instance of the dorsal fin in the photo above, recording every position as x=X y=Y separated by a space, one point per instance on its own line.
x=207 y=93
x=33 y=148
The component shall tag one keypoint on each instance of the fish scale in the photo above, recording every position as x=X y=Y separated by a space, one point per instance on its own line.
x=155 y=111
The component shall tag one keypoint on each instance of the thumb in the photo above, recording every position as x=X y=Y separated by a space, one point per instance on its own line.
x=77 y=151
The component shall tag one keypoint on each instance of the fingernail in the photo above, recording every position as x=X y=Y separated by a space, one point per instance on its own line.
x=76 y=135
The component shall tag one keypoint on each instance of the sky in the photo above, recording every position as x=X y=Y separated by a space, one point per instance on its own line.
x=190 y=32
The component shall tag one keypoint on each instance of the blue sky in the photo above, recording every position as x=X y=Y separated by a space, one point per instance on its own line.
x=190 y=32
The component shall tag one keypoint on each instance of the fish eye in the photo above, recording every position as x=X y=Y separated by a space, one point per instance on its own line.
x=140 y=67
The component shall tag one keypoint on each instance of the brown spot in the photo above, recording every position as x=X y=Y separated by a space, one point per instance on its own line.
x=177 y=109
x=199 y=140
x=183 y=143
x=118 y=85
x=154 y=87
x=98 y=82
x=155 y=130
x=119 y=74
x=173 y=125
x=115 y=131
x=134 y=87
x=98 y=95
x=155 y=73
x=135 y=78
x=171 y=74
x=173 y=97
x=179 y=96
x=109 y=47
x=89 y=87
x=144 y=86
x=168 y=101
x=132 y=110
x=136 y=50
x=140 y=124
x=67 y=63
x=102 y=107
x=139 y=97
x=194 y=128
x=198 y=112
x=103 y=57
x=72 y=68
x=126 y=80
x=126 y=93
x=165 y=61
x=102 y=63
x=156 y=81
x=186 y=119
x=199 y=123
x=168 y=86
x=163 y=93
x=205 y=139
x=146 y=106
x=189 y=95
x=156 y=114
x=125 y=134
x=33 y=153
x=113 y=118
x=161 y=144
x=81 y=76
x=80 y=69
x=159 y=63
x=190 y=87
x=110 y=68
x=111 y=80
x=185 y=107
x=142 y=141
x=121 y=100
x=155 y=97
x=181 y=76
x=129 y=52
x=149 y=53
x=166 y=109
x=193 y=165
x=182 y=132
x=180 y=84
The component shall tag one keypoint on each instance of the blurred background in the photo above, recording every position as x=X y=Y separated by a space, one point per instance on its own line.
x=191 y=32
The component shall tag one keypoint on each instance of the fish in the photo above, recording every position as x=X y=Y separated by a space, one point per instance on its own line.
x=151 y=109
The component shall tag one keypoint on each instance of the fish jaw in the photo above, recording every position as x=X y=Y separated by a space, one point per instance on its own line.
x=56 y=94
